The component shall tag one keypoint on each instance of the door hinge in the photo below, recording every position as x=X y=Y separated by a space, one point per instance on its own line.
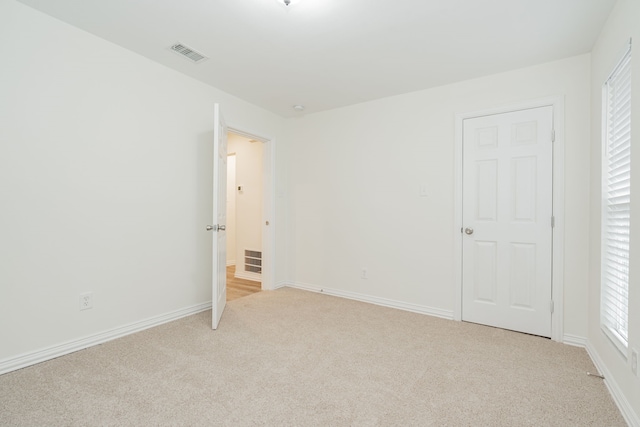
x=553 y=222
x=553 y=135
x=551 y=307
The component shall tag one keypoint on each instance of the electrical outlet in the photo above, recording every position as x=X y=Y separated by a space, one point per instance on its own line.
x=364 y=274
x=86 y=301
x=634 y=361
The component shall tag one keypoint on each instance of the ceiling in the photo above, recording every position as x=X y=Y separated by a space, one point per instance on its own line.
x=326 y=54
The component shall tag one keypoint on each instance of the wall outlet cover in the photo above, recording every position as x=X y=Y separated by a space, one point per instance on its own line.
x=86 y=301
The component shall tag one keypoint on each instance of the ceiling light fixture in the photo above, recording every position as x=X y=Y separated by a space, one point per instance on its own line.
x=298 y=108
x=288 y=2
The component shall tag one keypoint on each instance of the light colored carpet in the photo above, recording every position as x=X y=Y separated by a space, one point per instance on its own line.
x=295 y=358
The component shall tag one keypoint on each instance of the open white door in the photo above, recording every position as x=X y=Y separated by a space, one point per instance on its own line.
x=219 y=276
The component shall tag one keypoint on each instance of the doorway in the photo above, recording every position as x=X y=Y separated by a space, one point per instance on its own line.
x=245 y=193
x=509 y=217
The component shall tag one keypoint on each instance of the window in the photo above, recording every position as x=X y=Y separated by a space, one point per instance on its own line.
x=616 y=197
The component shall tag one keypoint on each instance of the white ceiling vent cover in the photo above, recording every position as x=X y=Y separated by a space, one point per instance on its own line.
x=188 y=53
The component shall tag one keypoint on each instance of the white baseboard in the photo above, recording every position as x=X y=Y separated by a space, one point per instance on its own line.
x=431 y=311
x=32 y=358
x=623 y=404
x=574 y=340
x=280 y=285
x=248 y=276
x=230 y=263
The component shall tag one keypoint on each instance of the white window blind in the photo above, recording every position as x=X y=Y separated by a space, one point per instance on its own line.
x=616 y=197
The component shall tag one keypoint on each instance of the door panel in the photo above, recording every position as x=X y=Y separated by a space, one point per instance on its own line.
x=523 y=272
x=485 y=272
x=487 y=192
x=524 y=189
x=507 y=209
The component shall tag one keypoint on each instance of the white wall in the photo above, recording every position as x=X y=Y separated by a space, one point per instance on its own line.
x=623 y=24
x=105 y=183
x=231 y=209
x=354 y=175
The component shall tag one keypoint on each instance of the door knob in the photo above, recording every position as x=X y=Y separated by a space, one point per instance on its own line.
x=209 y=227
x=468 y=230
x=222 y=227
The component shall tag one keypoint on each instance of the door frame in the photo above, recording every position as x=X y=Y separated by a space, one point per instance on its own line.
x=557 y=245
x=268 y=204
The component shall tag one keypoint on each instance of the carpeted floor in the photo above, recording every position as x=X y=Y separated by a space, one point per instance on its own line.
x=295 y=358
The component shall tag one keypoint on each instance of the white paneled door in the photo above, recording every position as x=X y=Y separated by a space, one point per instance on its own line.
x=507 y=220
x=219 y=276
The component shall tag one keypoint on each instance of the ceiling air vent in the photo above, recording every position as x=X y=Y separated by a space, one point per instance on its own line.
x=188 y=53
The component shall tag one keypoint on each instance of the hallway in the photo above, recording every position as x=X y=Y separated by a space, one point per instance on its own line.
x=238 y=288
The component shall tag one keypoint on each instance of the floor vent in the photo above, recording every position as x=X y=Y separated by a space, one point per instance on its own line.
x=188 y=53
x=253 y=261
